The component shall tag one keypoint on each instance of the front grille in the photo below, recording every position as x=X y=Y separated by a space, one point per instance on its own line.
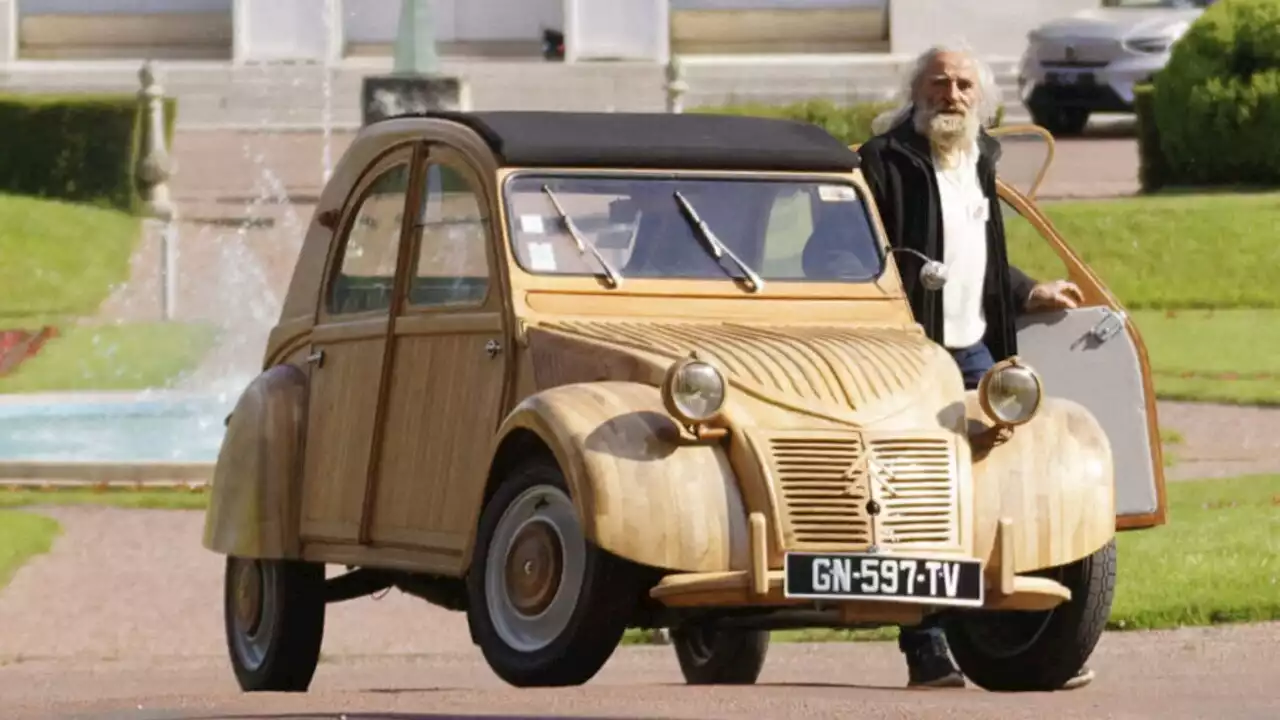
x=824 y=485
x=1094 y=52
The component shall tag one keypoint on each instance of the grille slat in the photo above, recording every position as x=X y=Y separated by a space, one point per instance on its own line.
x=824 y=503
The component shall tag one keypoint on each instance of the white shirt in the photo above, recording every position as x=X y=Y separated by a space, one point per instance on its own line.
x=965 y=212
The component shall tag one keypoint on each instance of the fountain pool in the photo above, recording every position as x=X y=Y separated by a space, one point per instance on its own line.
x=148 y=427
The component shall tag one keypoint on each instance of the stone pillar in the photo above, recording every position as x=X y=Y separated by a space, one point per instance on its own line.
x=677 y=85
x=415 y=84
x=8 y=31
x=154 y=171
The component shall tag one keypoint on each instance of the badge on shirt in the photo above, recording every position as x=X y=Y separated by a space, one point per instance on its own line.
x=982 y=211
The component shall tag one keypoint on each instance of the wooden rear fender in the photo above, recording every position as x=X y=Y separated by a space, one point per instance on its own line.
x=1052 y=479
x=255 y=493
x=640 y=493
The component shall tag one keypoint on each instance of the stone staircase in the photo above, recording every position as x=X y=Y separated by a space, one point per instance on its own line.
x=309 y=96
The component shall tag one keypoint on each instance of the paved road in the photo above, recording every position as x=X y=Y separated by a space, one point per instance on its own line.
x=123 y=620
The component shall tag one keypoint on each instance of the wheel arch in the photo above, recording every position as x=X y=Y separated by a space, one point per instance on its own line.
x=640 y=492
x=255 y=492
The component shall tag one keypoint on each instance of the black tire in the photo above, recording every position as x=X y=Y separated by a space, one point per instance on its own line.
x=609 y=592
x=710 y=656
x=1061 y=121
x=287 y=608
x=1023 y=651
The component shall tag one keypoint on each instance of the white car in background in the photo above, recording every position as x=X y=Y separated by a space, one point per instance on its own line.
x=1090 y=61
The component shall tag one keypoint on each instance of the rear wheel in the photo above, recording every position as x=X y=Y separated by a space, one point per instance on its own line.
x=711 y=656
x=1038 y=650
x=547 y=607
x=273 y=612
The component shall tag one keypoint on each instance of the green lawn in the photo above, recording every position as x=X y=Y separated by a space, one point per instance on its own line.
x=160 y=499
x=1230 y=356
x=1216 y=561
x=1181 y=251
x=60 y=261
x=23 y=536
x=128 y=356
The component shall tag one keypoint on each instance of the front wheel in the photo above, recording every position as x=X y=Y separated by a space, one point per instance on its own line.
x=547 y=607
x=1038 y=650
x=273 y=612
x=710 y=656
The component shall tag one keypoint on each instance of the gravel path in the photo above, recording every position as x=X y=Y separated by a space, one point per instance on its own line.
x=122 y=620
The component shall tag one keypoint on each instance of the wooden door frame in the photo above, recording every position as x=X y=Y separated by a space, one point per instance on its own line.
x=1097 y=294
x=496 y=301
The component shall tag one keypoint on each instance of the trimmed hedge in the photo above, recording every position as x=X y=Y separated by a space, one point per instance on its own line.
x=79 y=148
x=850 y=123
x=1152 y=172
x=1217 y=102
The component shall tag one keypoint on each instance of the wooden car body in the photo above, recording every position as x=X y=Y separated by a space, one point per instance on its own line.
x=397 y=387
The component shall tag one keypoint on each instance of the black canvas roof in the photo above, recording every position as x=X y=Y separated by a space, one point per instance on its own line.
x=656 y=140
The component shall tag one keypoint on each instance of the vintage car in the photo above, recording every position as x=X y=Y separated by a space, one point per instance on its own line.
x=574 y=374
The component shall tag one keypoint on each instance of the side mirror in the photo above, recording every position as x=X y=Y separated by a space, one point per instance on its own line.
x=933 y=275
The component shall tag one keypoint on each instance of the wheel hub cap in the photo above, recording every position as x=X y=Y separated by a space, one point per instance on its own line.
x=248 y=594
x=534 y=567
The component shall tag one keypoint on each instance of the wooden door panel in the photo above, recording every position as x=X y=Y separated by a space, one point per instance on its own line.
x=340 y=417
x=442 y=411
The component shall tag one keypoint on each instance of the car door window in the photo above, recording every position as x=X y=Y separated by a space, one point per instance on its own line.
x=368 y=255
x=452 y=268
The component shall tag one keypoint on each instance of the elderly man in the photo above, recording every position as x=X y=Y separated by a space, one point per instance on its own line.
x=932 y=172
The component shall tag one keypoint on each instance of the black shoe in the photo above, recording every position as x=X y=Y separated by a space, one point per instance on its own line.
x=930 y=667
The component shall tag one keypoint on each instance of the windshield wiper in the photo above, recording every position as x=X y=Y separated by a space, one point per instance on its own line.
x=613 y=278
x=718 y=249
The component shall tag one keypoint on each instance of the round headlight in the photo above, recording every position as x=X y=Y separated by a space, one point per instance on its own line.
x=694 y=391
x=1010 y=392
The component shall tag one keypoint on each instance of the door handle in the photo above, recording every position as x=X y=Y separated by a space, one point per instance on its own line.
x=316 y=358
x=1108 y=326
x=492 y=348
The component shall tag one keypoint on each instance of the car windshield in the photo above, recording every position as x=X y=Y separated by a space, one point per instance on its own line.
x=753 y=231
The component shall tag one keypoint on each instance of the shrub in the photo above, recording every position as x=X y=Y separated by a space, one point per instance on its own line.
x=81 y=148
x=1217 y=102
x=1152 y=173
x=850 y=123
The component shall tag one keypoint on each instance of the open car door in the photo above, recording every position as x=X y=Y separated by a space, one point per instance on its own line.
x=1093 y=354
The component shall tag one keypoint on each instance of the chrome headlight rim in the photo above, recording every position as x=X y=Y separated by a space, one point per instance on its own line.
x=673 y=407
x=1013 y=364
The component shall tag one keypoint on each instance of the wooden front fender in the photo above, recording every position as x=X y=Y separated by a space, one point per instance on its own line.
x=641 y=492
x=1051 y=481
x=254 y=498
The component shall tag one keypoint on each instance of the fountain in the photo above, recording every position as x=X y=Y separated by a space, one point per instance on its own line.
x=167 y=435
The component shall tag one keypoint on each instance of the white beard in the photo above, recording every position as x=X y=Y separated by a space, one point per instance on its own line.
x=950 y=135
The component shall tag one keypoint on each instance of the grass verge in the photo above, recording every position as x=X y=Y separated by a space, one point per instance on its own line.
x=1217 y=561
x=60 y=258
x=23 y=536
x=126 y=356
x=1227 y=356
x=1210 y=250
x=147 y=499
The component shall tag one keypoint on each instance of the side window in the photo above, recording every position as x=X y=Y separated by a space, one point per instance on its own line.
x=452 y=267
x=1029 y=250
x=368 y=270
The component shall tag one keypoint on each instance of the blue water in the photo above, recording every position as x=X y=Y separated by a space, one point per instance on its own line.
x=187 y=429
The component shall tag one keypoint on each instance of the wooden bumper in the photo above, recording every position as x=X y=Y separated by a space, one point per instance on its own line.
x=761 y=586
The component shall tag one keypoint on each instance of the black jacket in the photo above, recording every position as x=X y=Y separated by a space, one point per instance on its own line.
x=898 y=166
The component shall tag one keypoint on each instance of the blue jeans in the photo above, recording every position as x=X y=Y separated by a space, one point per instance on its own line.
x=974 y=361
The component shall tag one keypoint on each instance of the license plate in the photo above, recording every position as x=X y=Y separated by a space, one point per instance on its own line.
x=844 y=576
x=1069 y=78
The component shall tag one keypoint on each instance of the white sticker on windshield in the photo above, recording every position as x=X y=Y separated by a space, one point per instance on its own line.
x=532 y=224
x=542 y=257
x=836 y=193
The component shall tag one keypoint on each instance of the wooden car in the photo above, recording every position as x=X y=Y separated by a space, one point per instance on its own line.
x=574 y=374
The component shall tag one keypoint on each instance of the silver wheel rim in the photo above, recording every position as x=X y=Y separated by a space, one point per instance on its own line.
x=253 y=610
x=533 y=572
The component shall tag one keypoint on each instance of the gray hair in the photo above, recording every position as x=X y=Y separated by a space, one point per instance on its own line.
x=989 y=100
